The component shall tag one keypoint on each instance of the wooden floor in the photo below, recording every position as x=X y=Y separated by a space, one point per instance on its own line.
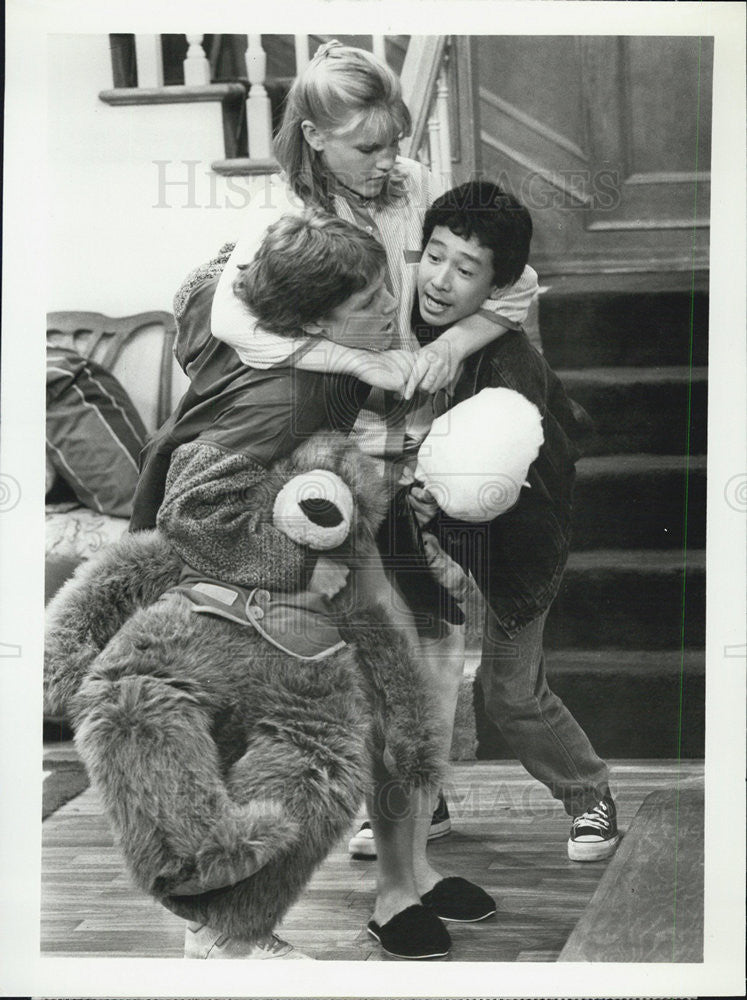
x=508 y=835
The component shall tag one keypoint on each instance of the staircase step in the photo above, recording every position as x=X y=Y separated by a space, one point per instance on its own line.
x=641 y=409
x=622 y=599
x=600 y=328
x=638 y=501
x=630 y=600
x=630 y=703
x=648 y=906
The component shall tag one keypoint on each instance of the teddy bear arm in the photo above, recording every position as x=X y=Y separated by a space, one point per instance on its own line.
x=147 y=744
x=406 y=724
x=94 y=604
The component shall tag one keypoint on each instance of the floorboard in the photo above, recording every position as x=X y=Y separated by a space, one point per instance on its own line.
x=508 y=835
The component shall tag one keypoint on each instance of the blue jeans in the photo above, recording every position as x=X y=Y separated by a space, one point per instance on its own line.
x=534 y=722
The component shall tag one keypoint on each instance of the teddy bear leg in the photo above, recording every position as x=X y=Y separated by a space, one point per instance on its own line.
x=312 y=757
x=92 y=606
x=147 y=745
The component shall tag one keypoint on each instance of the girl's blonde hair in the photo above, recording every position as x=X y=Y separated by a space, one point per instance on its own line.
x=342 y=85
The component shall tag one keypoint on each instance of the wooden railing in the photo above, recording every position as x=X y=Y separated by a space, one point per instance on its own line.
x=438 y=83
x=439 y=88
x=197 y=72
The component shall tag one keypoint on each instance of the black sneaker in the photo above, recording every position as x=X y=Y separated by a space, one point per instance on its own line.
x=594 y=833
x=362 y=844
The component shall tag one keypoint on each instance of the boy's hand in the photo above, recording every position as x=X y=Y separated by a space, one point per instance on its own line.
x=423 y=504
x=435 y=367
x=449 y=574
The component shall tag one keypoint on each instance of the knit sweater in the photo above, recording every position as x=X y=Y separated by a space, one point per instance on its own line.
x=217 y=514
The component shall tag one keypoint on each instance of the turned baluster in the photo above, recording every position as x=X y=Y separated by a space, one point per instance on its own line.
x=302 y=52
x=196 y=65
x=434 y=145
x=379 y=47
x=258 y=111
x=444 y=133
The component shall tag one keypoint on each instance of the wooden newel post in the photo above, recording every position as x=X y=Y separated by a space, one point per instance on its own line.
x=258 y=111
x=196 y=65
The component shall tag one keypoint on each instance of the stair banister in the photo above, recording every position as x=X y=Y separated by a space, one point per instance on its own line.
x=434 y=145
x=149 y=56
x=444 y=131
x=440 y=80
x=419 y=77
x=258 y=111
x=196 y=65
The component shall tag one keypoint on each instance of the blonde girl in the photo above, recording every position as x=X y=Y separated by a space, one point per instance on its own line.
x=339 y=150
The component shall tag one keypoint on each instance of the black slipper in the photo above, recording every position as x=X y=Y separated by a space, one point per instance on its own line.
x=415 y=932
x=459 y=900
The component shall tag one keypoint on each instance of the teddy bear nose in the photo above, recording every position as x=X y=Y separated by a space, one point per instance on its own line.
x=322 y=512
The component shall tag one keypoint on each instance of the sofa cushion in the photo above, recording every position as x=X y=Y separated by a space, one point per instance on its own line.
x=75 y=532
x=94 y=433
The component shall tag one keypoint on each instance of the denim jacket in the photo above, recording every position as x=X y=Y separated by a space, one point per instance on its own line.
x=518 y=559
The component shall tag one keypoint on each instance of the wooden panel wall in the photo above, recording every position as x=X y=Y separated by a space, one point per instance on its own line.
x=607 y=141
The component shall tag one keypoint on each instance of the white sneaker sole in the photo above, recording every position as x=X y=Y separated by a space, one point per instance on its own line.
x=212 y=946
x=363 y=846
x=590 y=850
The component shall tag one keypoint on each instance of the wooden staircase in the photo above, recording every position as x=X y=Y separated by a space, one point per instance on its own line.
x=625 y=636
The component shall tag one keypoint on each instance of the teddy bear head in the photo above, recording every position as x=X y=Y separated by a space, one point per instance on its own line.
x=233 y=520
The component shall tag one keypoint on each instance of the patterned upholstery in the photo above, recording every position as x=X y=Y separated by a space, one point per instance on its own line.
x=77 y=532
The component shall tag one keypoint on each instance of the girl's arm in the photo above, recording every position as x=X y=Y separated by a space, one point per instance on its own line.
x=232 y=322
x=382 y=369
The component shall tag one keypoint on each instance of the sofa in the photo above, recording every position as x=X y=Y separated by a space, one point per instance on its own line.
x=111 y=382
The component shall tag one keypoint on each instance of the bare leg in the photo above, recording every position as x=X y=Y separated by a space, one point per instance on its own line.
x=443 y=665
x=390 y=812
x=393 y=810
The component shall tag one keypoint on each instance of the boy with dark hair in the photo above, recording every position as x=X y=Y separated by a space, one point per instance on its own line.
x=475 y=241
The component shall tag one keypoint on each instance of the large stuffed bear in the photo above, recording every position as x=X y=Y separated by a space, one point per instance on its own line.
x=230 y=730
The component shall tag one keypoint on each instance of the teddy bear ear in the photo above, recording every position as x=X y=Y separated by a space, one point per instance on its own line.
x=314 y=509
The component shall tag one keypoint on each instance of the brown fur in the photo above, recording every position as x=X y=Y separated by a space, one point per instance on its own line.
x=219 y=758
